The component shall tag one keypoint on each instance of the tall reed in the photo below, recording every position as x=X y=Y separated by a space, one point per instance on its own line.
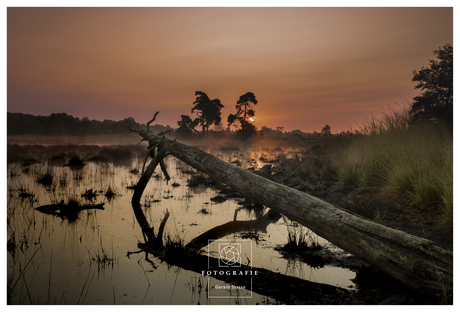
x=413 y=161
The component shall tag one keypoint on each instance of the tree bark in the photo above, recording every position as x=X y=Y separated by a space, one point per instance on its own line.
x=416 y=262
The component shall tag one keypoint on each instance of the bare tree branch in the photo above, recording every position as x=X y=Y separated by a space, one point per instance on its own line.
x=148 y=123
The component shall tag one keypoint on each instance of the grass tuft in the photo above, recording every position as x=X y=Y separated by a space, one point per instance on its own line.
x=414 y=162
x=174 y=247
x=298 y=240
x=46 y=178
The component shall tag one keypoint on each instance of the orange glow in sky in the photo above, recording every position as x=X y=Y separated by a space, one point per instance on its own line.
x=306 y=66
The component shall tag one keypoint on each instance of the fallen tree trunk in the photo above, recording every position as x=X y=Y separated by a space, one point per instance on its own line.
x=416 y=262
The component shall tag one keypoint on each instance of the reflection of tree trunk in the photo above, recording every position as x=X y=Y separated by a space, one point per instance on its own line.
x=233 y=227
x=287 y=289
x=416 y=262
x=146 y=176
x=149 y=235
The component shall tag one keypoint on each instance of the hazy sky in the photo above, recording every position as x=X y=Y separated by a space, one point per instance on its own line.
x=306 y=66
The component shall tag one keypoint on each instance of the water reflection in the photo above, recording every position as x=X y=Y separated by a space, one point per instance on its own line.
x=262 y=281
x=115 y=255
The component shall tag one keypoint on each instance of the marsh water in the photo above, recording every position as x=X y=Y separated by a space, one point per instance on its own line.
x=94 y=257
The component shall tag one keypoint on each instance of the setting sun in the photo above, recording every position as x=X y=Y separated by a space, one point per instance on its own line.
x=251 y=119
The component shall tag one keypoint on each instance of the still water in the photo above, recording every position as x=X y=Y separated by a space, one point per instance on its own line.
x=95 y=259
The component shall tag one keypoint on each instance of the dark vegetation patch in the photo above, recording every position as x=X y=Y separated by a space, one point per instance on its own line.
x=174 y=248
x=115 y=153
x=134 y=171
x=89 y=194
x=200 y=179
x=29 y=161
x=99 y=159
x=110 y=193
x=25 y=194
x=72 y=154
x=131 y=187
x=46 y=178
x=253 y=235
x=204 y=211
x=58 y=159
x=299 y=241
x=302 y=245
x=189 y=171
x=75 y=161
x=15 y=171
x=218 y=199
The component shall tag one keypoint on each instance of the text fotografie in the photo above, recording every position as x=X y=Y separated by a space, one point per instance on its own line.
x=229 y=273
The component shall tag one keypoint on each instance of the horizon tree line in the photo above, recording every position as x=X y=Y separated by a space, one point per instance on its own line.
x=64 y=124
x=435 y=104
